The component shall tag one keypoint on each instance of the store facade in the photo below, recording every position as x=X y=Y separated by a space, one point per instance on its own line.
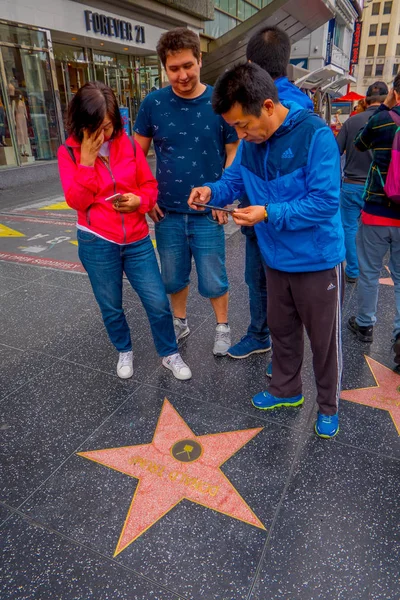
x=48 y=49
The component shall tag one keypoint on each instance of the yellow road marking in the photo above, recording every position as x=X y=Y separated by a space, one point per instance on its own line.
x=8 y=232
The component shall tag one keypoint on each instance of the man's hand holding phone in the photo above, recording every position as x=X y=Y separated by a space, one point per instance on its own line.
x=249 y=216
x=199 y=195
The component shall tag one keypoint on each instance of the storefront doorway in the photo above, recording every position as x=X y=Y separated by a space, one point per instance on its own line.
x=72 y=68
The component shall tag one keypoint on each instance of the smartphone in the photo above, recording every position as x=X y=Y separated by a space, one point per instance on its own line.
x=228 y=210
x=113 y=198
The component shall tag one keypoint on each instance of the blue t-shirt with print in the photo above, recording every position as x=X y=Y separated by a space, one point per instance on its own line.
x=189 y=140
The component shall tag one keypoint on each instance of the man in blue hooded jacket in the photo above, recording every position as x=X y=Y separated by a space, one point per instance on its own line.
x=270 y=49
x=288 y=165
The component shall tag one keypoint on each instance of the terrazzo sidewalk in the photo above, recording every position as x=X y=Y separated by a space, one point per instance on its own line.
x=156 y=489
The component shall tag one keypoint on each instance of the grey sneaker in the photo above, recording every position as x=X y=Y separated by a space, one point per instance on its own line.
x=181 y=329
x=125 y=365
x=222 y=340
x=177 y=365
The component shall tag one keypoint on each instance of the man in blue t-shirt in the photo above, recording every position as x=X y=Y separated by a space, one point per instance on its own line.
x=270 y=49
x=192 y=145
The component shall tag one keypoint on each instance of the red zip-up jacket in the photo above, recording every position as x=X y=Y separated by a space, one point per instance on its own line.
x=86 y=188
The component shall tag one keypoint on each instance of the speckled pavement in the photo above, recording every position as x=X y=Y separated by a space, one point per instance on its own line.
x=156 y=489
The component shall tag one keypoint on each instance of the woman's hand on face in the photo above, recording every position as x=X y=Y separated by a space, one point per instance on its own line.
x=90 y=146
x=127 y=203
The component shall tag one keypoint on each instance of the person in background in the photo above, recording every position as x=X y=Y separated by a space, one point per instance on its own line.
x=379 y=230
x=191 y=144
x=355 y=173
x=107 y=180
x=270 y=49
x=360 y=107
x=295 y=206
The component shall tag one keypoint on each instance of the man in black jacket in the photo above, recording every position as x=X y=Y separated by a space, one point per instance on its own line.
x=356 y=170
x=379 y=229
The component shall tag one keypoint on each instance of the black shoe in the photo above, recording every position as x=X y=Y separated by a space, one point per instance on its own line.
x=396 y=350
x=364 y=334
x=350 y=279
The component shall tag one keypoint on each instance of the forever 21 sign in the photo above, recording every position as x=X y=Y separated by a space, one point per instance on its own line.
x=113 y=27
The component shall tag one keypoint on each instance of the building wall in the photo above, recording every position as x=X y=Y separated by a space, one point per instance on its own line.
x=374 y=67
x=312 y=49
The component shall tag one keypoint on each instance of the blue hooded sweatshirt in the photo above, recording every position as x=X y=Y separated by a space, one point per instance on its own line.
x=297 y=174
x=288 y=92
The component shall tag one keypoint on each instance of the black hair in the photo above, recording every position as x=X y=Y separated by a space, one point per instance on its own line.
x=396 y=83
x=270 y=49
x=89 y=107
x=248 y=85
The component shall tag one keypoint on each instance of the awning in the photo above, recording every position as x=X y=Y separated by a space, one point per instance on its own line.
x=297 y=17
x=319 y=78
x=350 y=97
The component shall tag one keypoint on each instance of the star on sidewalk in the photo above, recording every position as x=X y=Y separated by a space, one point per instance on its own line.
x=177 y=465
x=387 y=280
x=385 y=395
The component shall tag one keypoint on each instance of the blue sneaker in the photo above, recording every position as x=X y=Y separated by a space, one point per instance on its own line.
x=249 y=345
x=327 y=427
x=267 y=401
x=268 y=371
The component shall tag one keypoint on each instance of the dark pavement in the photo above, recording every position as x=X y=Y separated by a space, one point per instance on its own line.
x=95 y=499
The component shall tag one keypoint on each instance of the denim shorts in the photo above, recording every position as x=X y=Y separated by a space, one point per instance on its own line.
x=183 y=236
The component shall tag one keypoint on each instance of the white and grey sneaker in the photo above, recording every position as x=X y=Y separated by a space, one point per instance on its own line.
x=125 y=365
x=222 y=340
x=181 y=328
x=176 y=364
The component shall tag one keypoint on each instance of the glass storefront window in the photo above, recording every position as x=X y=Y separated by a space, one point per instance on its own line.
x=31 y=102
x=69 y=53
x=103 y=58
x=149 y=76
x=7 y=154
x=25 y=37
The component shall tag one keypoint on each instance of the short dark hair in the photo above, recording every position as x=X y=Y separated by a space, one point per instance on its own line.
x=89 y=107
x=176 y=40
x=248 y=85
x=270 y=49
x=396 y=83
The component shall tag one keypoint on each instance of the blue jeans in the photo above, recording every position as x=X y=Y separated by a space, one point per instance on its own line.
x=373 y=241
x=105 y=264
x=351 y=203
x=181 y=236
x=257 y=284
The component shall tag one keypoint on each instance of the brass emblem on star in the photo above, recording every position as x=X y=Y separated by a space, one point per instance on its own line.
x=186 y=451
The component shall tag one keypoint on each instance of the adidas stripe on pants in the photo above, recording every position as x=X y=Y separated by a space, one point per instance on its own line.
x=310 y=300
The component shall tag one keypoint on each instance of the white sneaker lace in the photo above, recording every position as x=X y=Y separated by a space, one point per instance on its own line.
x=125 y=359
x=222 y=336
x=177 y=361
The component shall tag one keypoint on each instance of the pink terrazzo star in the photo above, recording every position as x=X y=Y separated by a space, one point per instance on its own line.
x=386 y=280
x=177 y=465
x=386 y=394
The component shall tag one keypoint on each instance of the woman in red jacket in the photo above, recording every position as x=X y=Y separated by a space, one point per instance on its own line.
x=99 y=161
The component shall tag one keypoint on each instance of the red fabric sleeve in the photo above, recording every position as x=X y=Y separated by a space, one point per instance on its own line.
x=79 y=183
x=147 y=184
